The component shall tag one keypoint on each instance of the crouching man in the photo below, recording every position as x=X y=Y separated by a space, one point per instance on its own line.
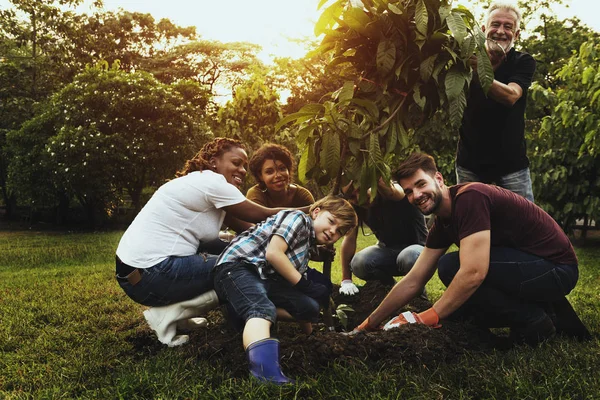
x=513 y=268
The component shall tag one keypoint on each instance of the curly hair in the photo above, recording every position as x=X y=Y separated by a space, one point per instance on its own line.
x=270 y=151
x=215 y=148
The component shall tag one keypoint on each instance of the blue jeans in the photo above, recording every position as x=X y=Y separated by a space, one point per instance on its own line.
x=249 y=296
x=381 y=262
x=172 y=280
x=516 y=289
x=518 y=182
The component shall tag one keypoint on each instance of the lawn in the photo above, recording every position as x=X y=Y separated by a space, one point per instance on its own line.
x=68 y=331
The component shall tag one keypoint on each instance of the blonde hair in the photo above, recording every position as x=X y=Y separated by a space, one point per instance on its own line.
x=340 y=209
x=507 y=6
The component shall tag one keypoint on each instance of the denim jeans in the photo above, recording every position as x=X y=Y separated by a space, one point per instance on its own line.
x=172 y=280
x=518 y=182
x=516 y=289
x=381 y=262
x=248 y=296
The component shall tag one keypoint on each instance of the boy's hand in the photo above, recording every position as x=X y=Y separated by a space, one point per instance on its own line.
x=315 y=290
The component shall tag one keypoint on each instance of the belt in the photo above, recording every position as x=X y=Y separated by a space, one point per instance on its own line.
x=126 y=272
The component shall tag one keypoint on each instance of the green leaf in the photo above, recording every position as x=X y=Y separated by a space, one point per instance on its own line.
x=330 y=153
x=420 y=100
x=356 y=19
x=347 y=92
x=328 y=18
x=426 y=67
x=484 y=69
x=392 y=137
x=421 y=18
x=457 y=108
x=395 y=9
x=454 y=82
x=303 y=164
x=457 y=27
x=369 y=106
x=386 y=57
x=588 y=75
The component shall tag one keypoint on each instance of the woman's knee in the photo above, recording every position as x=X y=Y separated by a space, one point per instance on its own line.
x=448 y=266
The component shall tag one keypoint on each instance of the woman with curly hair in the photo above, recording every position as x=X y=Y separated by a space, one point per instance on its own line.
x=272 y=167
x=158 y=263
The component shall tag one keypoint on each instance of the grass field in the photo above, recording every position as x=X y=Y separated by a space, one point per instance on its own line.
x=64 y=324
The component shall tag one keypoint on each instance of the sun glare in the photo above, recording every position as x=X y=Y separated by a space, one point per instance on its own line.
x=268 y=23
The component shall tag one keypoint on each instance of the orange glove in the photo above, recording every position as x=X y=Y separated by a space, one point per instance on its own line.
x=428 y=317
x=364 y=327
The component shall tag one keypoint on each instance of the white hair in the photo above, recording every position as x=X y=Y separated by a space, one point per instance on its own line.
x=507 y=6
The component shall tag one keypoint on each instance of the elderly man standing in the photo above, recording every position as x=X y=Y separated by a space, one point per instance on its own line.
x=513 y=268
x=492 y=145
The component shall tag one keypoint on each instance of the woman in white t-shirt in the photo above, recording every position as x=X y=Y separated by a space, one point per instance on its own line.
x=158 y=263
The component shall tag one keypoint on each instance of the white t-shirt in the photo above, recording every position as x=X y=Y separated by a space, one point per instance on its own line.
x=181 y=214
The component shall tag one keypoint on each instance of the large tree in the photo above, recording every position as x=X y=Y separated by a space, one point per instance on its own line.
x=566 y=155
x=108 y=131
x=412 y=60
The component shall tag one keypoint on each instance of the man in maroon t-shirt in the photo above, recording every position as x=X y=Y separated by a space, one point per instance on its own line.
x=513 y=268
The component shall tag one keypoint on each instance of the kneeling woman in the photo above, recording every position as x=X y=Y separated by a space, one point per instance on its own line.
x=158 y=263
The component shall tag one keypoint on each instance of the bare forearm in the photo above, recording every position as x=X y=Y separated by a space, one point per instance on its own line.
x=399 y=296
x=464 y=284
x=504 y=94
x=348 y=249
x=283 y=266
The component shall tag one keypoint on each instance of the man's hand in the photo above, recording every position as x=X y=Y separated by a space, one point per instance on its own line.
x=348 y=288
x=314 y=290
x=428 y=317
x=365 y=327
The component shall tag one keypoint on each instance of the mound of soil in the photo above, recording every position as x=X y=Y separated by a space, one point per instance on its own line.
x=309 y=354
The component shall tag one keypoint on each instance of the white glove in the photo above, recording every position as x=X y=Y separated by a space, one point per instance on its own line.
x=348 y=287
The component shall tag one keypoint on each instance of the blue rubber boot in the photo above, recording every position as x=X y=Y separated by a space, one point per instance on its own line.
x=263 y=357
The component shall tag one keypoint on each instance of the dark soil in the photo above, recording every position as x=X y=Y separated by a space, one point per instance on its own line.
x=308 y=354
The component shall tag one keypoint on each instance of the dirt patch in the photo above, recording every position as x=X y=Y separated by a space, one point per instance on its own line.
x=308 y=355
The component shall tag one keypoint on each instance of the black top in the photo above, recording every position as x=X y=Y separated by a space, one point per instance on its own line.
x=492 y=135
x=394 y=223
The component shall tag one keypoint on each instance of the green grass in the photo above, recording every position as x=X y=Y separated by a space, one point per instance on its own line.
x=64 y=324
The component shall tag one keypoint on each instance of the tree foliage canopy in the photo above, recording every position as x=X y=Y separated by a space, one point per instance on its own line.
x=412 y=60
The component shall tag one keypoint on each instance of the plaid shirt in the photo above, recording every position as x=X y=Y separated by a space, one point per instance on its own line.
x=294 y=226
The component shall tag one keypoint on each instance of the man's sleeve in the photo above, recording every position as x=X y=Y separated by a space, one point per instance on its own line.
x=472 y=213
x=524 y=70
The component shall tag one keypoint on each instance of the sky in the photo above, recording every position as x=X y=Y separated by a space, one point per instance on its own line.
x=272 y=23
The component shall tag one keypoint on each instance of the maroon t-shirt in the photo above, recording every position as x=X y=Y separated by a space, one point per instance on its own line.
x=513 y=221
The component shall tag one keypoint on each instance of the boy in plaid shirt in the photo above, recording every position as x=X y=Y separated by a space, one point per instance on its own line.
x=261 y=275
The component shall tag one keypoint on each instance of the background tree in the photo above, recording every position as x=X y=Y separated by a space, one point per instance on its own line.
x=310 y=79
x=252 y=114
x=566 y=157
x=108 y=131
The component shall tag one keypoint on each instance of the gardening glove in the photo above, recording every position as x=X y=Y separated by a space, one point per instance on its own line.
x=314 y=290
x=365 y=327
x=428 y=317
x=348 y=287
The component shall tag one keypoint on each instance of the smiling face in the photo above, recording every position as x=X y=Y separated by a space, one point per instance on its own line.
x=275 y=176
x=232 y=165
x=502 y=27
x=424 y=191
x=327 y=227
